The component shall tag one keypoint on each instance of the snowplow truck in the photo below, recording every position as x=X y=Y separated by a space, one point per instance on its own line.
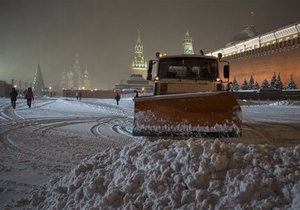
x=189 y=99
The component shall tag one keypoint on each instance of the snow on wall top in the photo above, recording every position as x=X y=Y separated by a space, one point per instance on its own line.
x=289 y=31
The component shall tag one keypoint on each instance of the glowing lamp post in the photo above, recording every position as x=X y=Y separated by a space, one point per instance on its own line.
x=50 y=92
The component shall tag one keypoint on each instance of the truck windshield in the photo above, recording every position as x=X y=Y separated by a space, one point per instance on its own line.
x=188 y=68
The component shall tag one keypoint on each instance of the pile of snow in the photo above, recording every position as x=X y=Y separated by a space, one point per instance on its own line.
x=192 y=174
x=279 y=103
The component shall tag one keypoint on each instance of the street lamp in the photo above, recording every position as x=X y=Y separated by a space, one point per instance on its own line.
x=50 y=92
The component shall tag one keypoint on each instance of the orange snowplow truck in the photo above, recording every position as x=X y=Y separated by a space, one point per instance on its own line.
x=189 y=99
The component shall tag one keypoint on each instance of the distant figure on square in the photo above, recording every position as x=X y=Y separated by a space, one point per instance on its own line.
x=29 y=96
x=117 y=97
x=136 y=93
x=80 y=95
x=229 y=86
x=77 y=95
x=13 y=97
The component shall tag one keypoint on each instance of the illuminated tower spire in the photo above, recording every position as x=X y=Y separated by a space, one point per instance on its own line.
x=76 y=59
x=38 y=82
x=187 y=45
x=77 y=77
x=85 y=80
x=139 y=65
x=70 y=83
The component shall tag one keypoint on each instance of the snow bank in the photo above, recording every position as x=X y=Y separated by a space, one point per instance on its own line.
x=281 y=103
x=169 y=174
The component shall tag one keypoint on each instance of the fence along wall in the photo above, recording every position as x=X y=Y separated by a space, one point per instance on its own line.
x=277 y=51
x=268 y=95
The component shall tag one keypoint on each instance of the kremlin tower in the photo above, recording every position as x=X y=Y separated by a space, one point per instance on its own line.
x=139 y=65
x=85 y=80
x=137 y=79
x=187 y=45
x=77 y=76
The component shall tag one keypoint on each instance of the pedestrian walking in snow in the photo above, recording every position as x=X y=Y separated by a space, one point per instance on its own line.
x=118 y=97
x=229 y=86
x=80 y=95
x=136 y=93
x=77 y=95
x=29 y=96
x=13 y=97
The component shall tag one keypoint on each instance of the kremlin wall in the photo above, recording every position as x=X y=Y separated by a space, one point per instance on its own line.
x=276 y=51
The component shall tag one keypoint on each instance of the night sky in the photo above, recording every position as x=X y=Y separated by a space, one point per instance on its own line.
x=104 y=32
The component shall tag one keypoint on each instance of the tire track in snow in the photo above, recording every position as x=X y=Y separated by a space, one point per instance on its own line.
x=46 y=135
x=7 y=113
x=107 y=130
x=58 y=123
x=10 y=115
x=115 y=129
x=279 y=134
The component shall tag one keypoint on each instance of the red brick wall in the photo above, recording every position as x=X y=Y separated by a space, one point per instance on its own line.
x=283 y=58
x=90 y=94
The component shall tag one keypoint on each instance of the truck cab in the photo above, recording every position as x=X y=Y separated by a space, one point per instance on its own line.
x=186 y=74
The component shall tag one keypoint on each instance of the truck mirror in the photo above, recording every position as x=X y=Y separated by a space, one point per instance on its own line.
x=226 y=72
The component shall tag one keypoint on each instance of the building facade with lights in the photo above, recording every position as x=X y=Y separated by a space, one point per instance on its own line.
x=263 y=55
x=75 y=78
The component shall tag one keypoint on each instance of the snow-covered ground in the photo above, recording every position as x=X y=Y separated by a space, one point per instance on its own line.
x=68 y=154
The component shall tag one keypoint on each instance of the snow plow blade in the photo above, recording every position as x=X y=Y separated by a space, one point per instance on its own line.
x=212 y=114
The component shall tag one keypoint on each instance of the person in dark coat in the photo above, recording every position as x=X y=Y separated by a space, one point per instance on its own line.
x=13 y=97
x=229 y=86
x=29 y=96
x=118 y=97
x=80 y=95
x=136 y=93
